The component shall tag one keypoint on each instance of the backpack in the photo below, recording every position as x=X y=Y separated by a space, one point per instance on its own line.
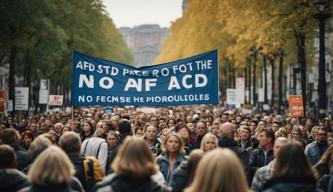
x=92 y=169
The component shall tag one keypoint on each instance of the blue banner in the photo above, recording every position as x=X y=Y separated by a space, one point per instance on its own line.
x=187 y=81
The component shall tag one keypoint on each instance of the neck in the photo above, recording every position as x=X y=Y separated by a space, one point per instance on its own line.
x=150 y=142
x=172 y=155
x=267 y=147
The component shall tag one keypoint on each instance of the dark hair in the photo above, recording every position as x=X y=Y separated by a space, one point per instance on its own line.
x=193 y=161
x=70 y=142
x=291 y=162
x=269 y=133
x=9 y=136
x=124 y=127
x=7 y=157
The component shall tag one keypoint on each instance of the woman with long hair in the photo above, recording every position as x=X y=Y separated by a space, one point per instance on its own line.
x=52 y=171
x=87 y=130
x=219 y=170
x=184 y=174
x=325 y=164
x=209 y=142
x=292 y=171
x=133 y=167
x=173 y=154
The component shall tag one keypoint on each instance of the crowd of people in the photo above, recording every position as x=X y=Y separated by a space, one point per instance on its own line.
x=187 y=148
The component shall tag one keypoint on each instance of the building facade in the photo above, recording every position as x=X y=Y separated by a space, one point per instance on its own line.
x=145 y=41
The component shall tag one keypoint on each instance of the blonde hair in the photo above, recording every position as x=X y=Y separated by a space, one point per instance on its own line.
x=134 y=158
x=219 y=170
x=181 y=143
x=206 y=137
x=52 y=166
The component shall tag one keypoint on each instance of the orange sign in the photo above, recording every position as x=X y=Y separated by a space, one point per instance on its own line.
x=2 y=101
x=296 y=106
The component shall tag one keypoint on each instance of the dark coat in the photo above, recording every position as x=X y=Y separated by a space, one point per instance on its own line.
x=12 y=180
x=74 y=186
x=23 y=159
x=257 y=159
x=125 y=183
x=180 y=177
x=283 y=184
x=197 y=143
x=226 y=142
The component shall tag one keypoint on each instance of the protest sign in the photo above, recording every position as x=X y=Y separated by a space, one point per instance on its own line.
x=2 y=101
x=21 y=98
x=296 y=106
x=56 y=100
x=183 y=82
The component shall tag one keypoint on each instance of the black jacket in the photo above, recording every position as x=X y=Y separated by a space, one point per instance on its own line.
x=257 y=159
x=23 y=159
x=12 y=180
x=125 y=183
x=197 y=143
x=243 y=155
x=180 y=177
x=283 y=184
x=77 y=161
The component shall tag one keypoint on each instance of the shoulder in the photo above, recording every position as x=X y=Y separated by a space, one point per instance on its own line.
x=105 y=183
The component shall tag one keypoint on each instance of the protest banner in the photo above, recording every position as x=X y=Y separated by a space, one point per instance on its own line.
x=296 y=105
x=187 y=81
x=56 y=100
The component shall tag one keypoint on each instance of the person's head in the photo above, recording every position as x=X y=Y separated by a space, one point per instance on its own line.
x=173 y=143
x=329 y=138
x=10 y=136
x=124 y=127
x=70 y=142
x=102 y=125
x=219 y=170
x=245 y=133
x=314 y=132
x=58 y=127
x=327 y=157
x=322 y=135
x=163 y=134
x=87 y=127
x=228 y=130
x=296 y=132
x=201 y=128
x=153 y=120
x=27 y=137
x=266 y=138
x=192 y=164
x=183 y=131
x=7 y=157
x=38 y=145
x=138 y=131
x=112 y=138
x=209 y=142
x=150 y=132
x=134 y=148
x=291 y=162
x=52 y=166
x=279 y=142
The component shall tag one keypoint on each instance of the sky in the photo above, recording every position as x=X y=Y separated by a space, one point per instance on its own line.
x=130 y=13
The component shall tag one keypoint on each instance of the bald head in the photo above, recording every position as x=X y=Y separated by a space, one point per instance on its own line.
x=227 y=130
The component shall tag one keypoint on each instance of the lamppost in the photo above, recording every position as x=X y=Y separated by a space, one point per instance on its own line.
x=321 y=16
x=252 y=53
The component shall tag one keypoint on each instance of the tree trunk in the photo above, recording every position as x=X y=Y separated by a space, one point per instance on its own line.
x=302 y=62
x=265 y=78
x=273 y=82
x=280 y=83
x=11 y=83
